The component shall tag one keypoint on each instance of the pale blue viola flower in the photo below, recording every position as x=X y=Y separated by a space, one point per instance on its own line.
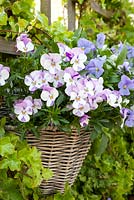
x=125 y=85
x=86 y=45
x=95 y=67
x=128 y=117
x=130 y=52
x=100 y=40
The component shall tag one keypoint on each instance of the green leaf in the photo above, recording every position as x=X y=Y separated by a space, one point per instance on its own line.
x=3 y=121
x=121 y=56
x=42 y=19
x=2 y=132
x=22 y=23
x=16 y=8
x=12 y=162
x=6 y=147
x=3 y=17
x=47 y=173
x=1 y=2
x=103 y=145
x=80 y=1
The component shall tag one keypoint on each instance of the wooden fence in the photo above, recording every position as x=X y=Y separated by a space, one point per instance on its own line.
x=46 y=8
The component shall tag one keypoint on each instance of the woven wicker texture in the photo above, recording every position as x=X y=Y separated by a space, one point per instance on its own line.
x=63 y=154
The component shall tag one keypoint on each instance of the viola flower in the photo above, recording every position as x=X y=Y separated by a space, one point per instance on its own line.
x=34 y=80
x=81 y=109
x=58 y=79
x=4 y=74
x=64 y=52
x=78 y=62
x=114 y=98
x=95 y=66
x=36 y=104
x=49 y=94
x=125 y=85
x=23 y=108
x=24 y=44
x=51 y=62
x=125 y=67
x=128 y=117
x=86 y=45
x=70 y=75
x=100 y=40
x=130 y=51
x=84 y=120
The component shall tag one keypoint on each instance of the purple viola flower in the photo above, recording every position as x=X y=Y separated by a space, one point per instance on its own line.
x=84 y=120
x=95 y=67
x=100 y=40
x=125 y=85
x=128 y=117
x=86 y=45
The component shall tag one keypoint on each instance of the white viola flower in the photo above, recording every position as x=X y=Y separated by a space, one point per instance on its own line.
x=88 y=87
x=24 y=44
x=63 y=49
x=23 y=108
x=68 y=79
x=34 y=80
x=4 y=74
x=81 y=110
x=49 y=94
x=58 y=80
x=98 y=85
x=51 y=62
x=45 y=79
x=93 y=103
x=77 y=100
x=114 y=99
x=78 y=62
x=37 y=104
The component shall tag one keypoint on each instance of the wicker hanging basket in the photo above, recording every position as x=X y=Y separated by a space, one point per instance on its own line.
x=63 y=154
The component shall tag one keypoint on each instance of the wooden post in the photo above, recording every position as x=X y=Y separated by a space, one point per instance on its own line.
x=45 y=7
x=71 y=15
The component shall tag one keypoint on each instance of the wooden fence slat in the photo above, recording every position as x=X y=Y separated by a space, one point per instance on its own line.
x=71 y=15
x=45 y=7
x=8 y=47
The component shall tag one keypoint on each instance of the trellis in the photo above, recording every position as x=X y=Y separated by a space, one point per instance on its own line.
x=46 y=8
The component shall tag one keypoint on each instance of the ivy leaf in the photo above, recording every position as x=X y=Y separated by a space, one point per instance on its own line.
x=3 y=17
x=47 y=173
x=6 y=147
x=2 y=132
x=121 y=56
x=102 y=145
x=80 y=1
x=16 y=8
x=42 y=19
x=12 y=162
